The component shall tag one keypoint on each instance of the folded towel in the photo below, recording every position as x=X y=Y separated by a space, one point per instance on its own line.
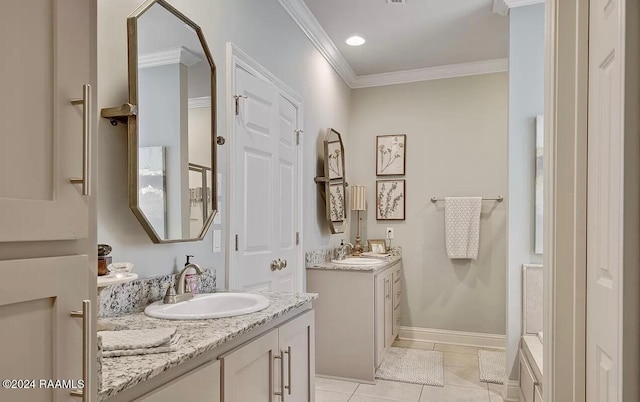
x=171 y=346
x=137 y=342
x=462 y=226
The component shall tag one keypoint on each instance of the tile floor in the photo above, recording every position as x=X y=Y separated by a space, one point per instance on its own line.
x=461 y=382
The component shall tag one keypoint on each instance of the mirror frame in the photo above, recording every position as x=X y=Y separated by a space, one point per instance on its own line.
x=329 y=182
x=132 y=123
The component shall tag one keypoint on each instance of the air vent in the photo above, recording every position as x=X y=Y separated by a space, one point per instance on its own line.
x=396 y=1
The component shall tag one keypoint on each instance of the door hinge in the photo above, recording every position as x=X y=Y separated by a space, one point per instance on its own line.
x=298 y=134
x=237 y=243
x=237 y=98
x=297 y=238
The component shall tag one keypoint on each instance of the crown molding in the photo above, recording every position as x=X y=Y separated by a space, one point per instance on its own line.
x=305 y=19
x=168 y=56
x=502 y=6
x=194 y=103
x=432 y=73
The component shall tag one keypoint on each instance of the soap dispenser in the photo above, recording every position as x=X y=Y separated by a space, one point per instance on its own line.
x=191 y=279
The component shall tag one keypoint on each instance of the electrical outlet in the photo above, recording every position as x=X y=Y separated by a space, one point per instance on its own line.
x=389 y=233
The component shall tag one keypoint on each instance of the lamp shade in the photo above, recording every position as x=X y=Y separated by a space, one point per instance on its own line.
x=358 y=198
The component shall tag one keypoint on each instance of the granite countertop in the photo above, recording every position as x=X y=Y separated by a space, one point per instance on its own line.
x=198 y=337
x=367 y=268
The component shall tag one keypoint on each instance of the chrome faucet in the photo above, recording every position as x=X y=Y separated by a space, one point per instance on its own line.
x=177 y=294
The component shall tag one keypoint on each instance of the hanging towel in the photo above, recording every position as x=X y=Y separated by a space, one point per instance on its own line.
x=139 y=342
x=462 y=226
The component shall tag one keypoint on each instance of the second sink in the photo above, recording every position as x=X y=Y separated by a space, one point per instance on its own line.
x=358 y=261
x=206 y=306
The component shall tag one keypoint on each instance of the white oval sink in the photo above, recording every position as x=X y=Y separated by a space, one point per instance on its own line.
x=358 y=261
x=206 y=306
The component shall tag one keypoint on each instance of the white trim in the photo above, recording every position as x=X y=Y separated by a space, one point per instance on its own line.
x=168 y=56
x=432 y=73
x=502 y=7
x=305 y=19
x=194 y=103
x=476 y=339
x=238 y=58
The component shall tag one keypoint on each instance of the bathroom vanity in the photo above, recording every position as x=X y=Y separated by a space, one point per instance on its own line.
x=357 y=317
x=242 y=358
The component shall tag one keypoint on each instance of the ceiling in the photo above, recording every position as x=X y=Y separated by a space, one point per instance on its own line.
x=415 y=35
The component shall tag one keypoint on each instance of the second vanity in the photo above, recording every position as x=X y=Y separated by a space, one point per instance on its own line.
x=358 y=316
x=243 y=358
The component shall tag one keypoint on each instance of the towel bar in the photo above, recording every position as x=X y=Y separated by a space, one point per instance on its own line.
x=498 y=198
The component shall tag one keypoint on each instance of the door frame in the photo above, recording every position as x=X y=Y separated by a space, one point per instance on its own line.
x=565 y=202
x=238 y=58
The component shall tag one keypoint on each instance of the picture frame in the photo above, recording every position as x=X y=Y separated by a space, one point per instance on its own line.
x=390 y=199
x=391 y=155
x=335 y=160
x=377 y=246
x=337 y=202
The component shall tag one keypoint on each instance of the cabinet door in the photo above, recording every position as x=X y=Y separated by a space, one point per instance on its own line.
x=388 y=310
x=397 y=298
x=38 y=337
x=201 y=384
x=248 y=372
x=297 y=345
x=41 y=133
x=380 y=296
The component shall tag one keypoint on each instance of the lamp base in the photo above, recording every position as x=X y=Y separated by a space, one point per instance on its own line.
x=357 y=248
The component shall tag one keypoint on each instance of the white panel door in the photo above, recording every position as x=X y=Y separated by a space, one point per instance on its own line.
x=45 y=62
x=605 y=200
x=265 y=191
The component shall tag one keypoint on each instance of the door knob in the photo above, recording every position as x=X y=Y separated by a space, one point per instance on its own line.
x=275 y=265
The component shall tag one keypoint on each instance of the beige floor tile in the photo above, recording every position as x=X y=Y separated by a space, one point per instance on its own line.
x=452 y=359
x=413 y=344
x=360 y=398
x=452 y=393
x=463 y=376
x=327 y=396
x=445 y=347
x=391 y=390
x=495 y=398
x=327 y=384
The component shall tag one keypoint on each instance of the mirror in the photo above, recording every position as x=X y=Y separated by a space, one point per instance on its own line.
x=172 y=149
x=334 y=182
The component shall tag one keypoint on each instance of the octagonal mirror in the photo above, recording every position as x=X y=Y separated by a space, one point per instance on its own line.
x=334 y=184
x=172 y=148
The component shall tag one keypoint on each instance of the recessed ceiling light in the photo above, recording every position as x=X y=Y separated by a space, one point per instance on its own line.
x=355 y=41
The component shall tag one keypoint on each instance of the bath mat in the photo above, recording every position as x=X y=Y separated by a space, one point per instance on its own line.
x=415 y=366
x=492 y=366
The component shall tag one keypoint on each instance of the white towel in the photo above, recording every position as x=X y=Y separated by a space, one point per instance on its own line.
x=462 y=226
x=139 y=342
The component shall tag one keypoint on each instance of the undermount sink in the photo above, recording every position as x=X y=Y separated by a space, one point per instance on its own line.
x=206 y=306
x=358 y=261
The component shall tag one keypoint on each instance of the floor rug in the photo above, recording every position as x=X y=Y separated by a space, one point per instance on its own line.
x=415 y=366
x=492 y=366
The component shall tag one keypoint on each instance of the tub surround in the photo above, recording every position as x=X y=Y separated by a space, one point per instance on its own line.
x=133 y=297
x=198 y=337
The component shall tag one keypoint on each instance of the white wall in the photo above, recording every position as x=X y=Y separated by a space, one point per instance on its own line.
x=264 y=30
x=526 y=101
x=456 y=145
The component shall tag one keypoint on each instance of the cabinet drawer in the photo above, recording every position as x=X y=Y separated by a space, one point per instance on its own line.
x=538 y=393
x=527 y=380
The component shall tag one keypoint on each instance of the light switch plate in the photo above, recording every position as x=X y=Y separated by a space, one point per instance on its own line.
x=390 y=233
x=217 y=241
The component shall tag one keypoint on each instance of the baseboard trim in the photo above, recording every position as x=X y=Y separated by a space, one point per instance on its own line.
x=513 y=391
x=476 y=339
x=332 y=377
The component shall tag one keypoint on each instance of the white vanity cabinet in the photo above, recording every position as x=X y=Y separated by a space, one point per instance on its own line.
x=201 y=384
x=358 y=316
x=280 y=361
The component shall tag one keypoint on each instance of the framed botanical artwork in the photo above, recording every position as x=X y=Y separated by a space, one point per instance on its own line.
x=390 y=200
x=390 y=155
x=334 y=156
x=337 y=202
x=377 y=246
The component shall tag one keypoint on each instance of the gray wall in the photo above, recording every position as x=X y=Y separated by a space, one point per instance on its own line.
x=264 y=30
x=526 y=101
x=456 y=145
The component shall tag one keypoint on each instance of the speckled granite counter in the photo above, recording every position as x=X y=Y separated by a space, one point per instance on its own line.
x=368 y=268
x=198 y=337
